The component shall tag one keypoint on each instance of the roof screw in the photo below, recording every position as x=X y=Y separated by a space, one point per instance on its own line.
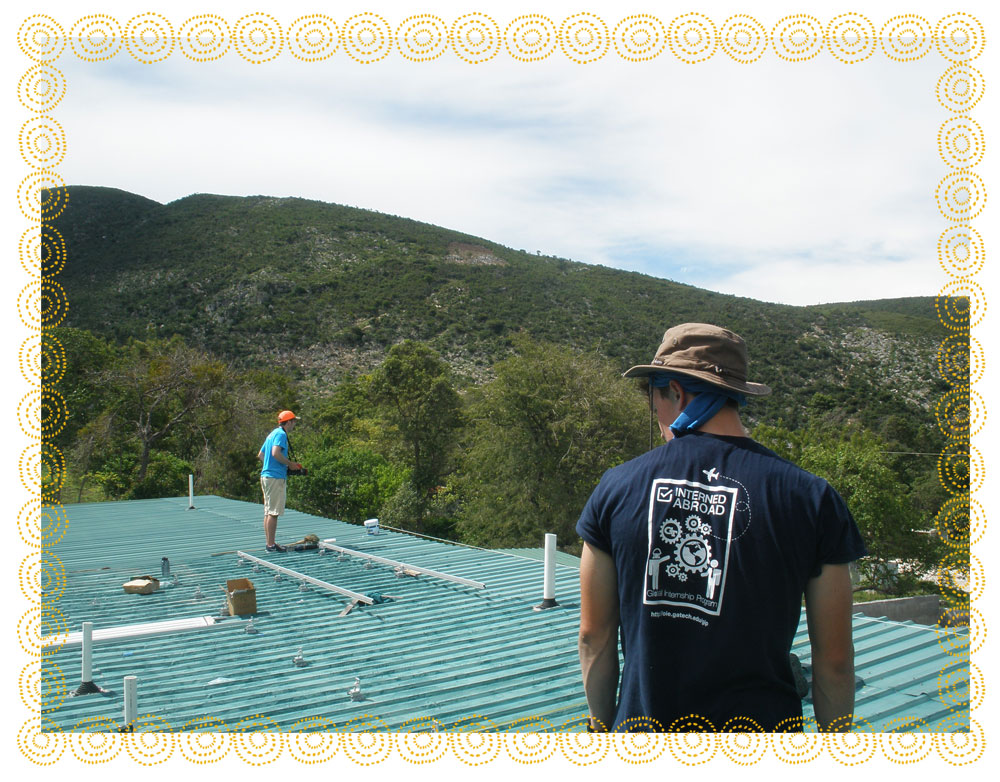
x=198 y=595
x=303 y=587
x=355 y=691
x=277 y=576
x=250 y=629
x=299 y=660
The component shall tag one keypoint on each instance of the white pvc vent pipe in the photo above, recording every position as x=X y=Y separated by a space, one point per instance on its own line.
x=549 y=574
x=86 y=663
x=190 y=491
x=131 y=701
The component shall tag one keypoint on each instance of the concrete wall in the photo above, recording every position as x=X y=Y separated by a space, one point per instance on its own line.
x=922 y=609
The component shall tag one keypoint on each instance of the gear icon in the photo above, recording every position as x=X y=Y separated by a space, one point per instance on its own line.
x=692 y=522
x=670 y=530
x=693 y=553
x=682 y=576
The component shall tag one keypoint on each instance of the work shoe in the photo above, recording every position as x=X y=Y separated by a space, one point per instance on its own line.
x=276 y=547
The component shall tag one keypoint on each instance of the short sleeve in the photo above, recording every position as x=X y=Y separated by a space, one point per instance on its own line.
x=593 y=523
x=839 y=540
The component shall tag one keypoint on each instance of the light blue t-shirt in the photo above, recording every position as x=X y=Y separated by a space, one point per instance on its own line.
x=272 y=468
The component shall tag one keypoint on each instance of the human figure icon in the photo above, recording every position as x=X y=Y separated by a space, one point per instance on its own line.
x=653 y=567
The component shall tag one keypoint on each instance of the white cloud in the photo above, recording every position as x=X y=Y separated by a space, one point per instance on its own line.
x=641 y=166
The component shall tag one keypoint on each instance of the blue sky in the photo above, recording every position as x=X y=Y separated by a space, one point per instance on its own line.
x=798 y=183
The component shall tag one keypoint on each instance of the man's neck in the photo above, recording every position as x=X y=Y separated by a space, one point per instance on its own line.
x=726 y=422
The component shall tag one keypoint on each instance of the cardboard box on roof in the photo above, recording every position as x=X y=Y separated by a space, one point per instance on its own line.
x=241 y=597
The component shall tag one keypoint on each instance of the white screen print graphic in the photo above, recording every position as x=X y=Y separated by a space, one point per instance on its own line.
x=690 y=531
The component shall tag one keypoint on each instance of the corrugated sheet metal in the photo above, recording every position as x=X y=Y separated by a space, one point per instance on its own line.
x=436 y=651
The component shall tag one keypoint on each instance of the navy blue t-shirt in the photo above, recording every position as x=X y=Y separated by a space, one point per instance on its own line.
x=714 y=539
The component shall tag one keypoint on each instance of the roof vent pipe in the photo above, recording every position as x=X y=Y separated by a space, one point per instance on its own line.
x=190 y=491
x=131 y=703
x=549 y=577
x=87 y=685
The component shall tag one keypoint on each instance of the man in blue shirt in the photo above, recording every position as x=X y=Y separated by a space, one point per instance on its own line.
x=273 y=455
x=697 y=555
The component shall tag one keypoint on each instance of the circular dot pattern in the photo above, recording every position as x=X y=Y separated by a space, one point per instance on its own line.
x=580 y=747
x=960 y=88
x=42 y=358
x=961 y=522
x=41 y=38
x=530 y=38
x=52 y=520
x=961 y=469
x=475 y=741
x=639 y=38
x=204 y=740
x=204 y=38
x=797 y=38
x=42 y=575
x=42 y=142
x=418 y=741
x=961 y=251
x=422 y=38
x=960 y=37
x=96 y=37
x=42 y=251
x=42 y=413
x=364 y=746
x=367 y=38
x=851 y=38
x=906 y=38
x=475 y=38
x=743 y=38
x=95 y=740
x=149 y=38
x=42 y=467
x=961 y=195
x=42 y=685
x=796 y=747
x=42 y=749
x=313 y=740
x=852 y=749
x=692 y=37
x=691 y=744
x=42 y=195
x=535 y=745
x=257 y=740
x=38 y=623
x=41 y=88
x=902 y=744
x=961 y=578
x=961 y=142
x=960 y=413
x=152 y=742
x=743 y=746
x=952 y=643
x=258 y=38
x=639 y=740
x=959 y=745
x=313 y=38
x=961 y=305
x=584 y=38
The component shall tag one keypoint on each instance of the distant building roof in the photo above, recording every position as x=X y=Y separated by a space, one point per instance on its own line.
x=436 y=651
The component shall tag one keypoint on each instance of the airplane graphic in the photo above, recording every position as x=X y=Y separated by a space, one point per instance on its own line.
x=711 y=474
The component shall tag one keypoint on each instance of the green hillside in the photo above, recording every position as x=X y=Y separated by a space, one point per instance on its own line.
x=322 y=291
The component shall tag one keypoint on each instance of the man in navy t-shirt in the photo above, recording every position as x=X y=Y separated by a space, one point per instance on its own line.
x=697 y=555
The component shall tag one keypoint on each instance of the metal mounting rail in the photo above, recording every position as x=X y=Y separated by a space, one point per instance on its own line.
x=145 y=630
x=414 y=568
x=303 y=577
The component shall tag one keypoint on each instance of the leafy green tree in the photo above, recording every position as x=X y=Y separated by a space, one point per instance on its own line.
x=413 y=386
x=344 y=482
x=540 y=436
x=855 y=462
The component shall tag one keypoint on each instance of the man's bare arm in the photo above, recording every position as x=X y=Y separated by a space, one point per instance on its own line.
x=828 y=613
x=279 y=456
x=598 y=643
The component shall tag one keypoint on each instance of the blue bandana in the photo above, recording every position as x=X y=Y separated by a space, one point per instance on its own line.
x=709 y=400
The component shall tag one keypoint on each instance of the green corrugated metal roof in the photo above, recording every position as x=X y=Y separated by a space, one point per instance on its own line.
x=438 y=651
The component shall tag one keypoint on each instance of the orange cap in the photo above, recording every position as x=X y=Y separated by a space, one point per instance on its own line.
x=286 y=415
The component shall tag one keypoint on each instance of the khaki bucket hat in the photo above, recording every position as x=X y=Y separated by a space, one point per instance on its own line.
x=710 y=353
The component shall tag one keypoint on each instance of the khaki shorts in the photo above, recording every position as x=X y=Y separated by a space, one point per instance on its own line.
x=274 y=495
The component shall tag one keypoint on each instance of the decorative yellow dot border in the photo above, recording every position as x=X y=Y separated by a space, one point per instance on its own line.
x=477 y=38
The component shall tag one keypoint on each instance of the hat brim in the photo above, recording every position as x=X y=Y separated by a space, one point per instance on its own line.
x=750 y=389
